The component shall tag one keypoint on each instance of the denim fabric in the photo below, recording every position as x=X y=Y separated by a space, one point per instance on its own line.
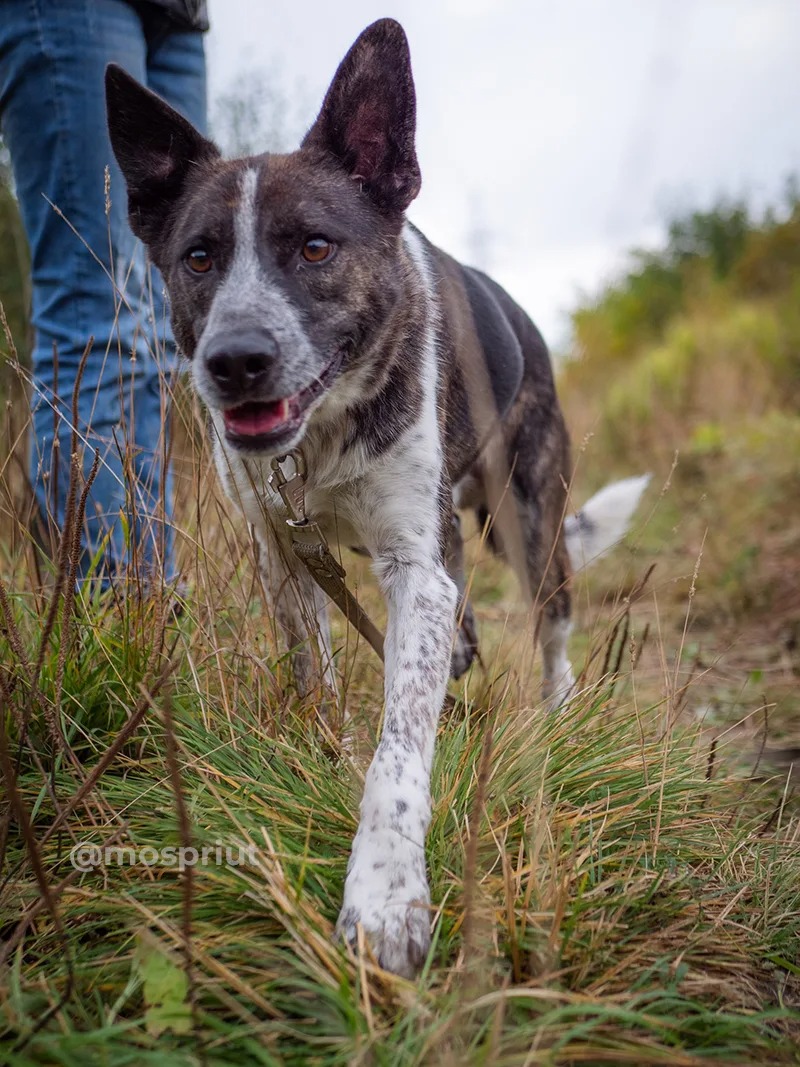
x=191 y=14
x=53 y=55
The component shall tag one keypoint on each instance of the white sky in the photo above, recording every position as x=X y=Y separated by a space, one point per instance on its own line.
x=566 y=129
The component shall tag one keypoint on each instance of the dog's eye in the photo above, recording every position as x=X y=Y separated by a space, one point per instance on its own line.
x=198 y=261
x=317 y=249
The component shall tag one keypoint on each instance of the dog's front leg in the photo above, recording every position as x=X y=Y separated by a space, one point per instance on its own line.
x=300 y=609
x=387 y=887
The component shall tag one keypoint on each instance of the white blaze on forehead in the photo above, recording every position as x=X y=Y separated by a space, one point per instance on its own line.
x=250 y=303
x=241 y=291
x=245 y=269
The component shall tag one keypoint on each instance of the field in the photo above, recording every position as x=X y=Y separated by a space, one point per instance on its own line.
x=616 y=884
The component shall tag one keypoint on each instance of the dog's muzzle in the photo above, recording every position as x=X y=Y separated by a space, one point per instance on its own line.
x=258 y=425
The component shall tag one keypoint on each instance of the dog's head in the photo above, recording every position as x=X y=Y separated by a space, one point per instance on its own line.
x=279 y=268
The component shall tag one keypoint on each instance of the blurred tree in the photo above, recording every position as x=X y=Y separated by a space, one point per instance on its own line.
x=704 y=250
x=770 y=260
x=258 y=114
x=718 y=235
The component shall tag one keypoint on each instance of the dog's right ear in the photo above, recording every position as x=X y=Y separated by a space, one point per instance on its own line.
x=155 y=146
x=368 y=118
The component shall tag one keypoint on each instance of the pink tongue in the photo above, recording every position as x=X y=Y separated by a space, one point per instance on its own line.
x=250 y=420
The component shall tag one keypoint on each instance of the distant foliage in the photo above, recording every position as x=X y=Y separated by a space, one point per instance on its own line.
x=717 y=236
x=717 y=271
x=695 y=353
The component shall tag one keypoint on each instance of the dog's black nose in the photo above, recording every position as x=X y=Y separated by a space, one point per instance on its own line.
x=244 y=366
x=239 y=373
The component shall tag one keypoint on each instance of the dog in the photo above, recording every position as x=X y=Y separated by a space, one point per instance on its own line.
x=316 y=317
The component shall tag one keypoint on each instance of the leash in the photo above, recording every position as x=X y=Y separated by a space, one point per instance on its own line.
x=310 y=546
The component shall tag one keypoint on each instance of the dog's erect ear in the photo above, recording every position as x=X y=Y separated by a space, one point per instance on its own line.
x=368 y=117
x=155 y=147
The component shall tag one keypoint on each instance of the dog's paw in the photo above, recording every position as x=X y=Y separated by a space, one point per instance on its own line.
x=399 y=935
x=389 y=898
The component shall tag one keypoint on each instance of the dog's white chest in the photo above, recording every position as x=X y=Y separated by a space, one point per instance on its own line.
x=248 y=483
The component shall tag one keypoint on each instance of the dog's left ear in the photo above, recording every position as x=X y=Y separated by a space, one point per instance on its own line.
x=368 y=117
x=156 y=148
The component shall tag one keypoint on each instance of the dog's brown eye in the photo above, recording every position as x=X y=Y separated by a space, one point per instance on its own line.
x=198 y=261
x=316 y=249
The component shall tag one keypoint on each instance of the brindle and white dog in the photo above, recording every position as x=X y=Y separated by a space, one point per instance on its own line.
x=315 y=316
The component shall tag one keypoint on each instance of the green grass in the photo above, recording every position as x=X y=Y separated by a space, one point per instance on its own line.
x=602 y=891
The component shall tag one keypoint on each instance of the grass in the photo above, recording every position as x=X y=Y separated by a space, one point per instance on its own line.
x=603 y=889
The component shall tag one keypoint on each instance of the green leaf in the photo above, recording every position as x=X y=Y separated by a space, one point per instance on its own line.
x=165 y=991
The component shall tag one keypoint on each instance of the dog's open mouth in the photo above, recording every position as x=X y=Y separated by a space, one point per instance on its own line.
x=257 y=424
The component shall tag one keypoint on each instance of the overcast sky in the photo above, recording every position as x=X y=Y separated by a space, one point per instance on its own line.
x=567 y=129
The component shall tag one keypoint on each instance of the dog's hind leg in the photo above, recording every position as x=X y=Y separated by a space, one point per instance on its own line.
x=546 y=580
x=536 y=549
x=558 y=679
x=546 y=577
x=465 y=648
x=548 y=586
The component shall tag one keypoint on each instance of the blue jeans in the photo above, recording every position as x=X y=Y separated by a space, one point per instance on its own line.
x=53 y=55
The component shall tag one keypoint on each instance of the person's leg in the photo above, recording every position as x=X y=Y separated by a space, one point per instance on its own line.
x=176 y=70
x=53 y=55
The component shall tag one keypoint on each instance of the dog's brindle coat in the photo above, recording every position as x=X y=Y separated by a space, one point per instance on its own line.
x=387 y=349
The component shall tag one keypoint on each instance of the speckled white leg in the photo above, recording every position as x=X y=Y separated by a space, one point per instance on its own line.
x=387 y=888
